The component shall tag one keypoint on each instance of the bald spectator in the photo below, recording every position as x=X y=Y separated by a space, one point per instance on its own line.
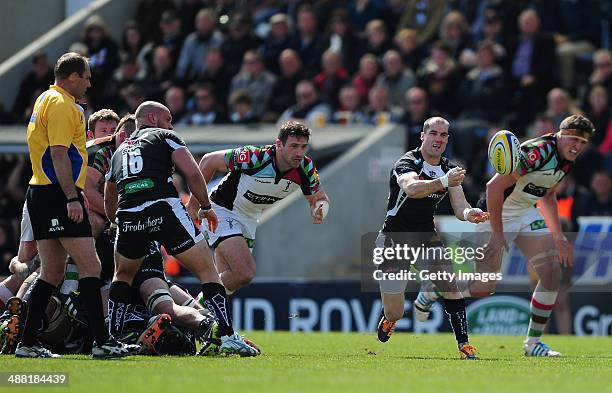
x=396 y=78
x=309 y=107
x=256 y=80
x=350 y=110
x=331 y=78
x=192 y=60
x=532 y=64
x=283 y=94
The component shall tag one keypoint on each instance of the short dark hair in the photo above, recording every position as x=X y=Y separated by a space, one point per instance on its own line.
x=102 y=114
x=130 y=119
x=294 y=128
x=68 y=63
x=578 y=123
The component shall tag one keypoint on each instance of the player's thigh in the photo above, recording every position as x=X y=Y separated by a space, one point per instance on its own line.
x=83 y=252
x=541 y=253
x=235 y=253
x=198 y=259
x=53 y=260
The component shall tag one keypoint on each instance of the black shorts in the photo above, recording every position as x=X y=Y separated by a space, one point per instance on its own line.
x=49 y=216
x=151 y=267
x=165 y=221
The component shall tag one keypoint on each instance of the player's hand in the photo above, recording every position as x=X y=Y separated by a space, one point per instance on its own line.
x=211 y=218
x=476 y=216
x=455 y=176
x=566 y=250
x=317 y=215
x=75 y=211
x=495 y=247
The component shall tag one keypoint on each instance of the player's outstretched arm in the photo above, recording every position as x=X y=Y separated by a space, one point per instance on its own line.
x=319 y=205
x=462 y=209
x=417 y=189
x=185 y=162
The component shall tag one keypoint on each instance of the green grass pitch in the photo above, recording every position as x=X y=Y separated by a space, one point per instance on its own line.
x=341 y=362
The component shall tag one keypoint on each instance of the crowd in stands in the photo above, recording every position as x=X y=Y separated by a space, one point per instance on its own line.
x=483 y=64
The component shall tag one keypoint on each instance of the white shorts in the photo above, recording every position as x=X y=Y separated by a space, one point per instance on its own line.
x=27 y=234
x=530 y=223
x=230 y=224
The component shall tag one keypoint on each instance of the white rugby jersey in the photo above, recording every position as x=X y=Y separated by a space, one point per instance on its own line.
x=254 y=183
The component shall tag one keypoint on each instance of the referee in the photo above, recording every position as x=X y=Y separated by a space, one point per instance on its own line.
x=56 y=141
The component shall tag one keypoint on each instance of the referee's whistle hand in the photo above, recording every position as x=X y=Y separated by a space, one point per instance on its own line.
x=75 y=211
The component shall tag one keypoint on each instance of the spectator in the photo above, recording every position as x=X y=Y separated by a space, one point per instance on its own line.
x=192 y=60
x=560 y=106
x=601 y=75
x=342 y=38
x=171 y=38
x=492 y=30
x=454 y=32
x=131 y=40
x=397 y=79
x=35 y=82
x=283 y=94
x=365 y=78
x=417 y=111
x=483 y=92
x=331 y=78
x=425 y=17
x=309 y=107
x=411 y=52
x=350 y=111
x=174 y=100
x=599 y=113
x=206 y=110
x=217 y=75
x=240 y=40
x=306 y=41
x=161 y=76
x=362 y=12
x=278 y=40
x=254 y=79
x=532 y=64
x=379 y=112
x=242 y=111
x=128 y=72
x=103 y=58
x=132 y=96
x=599 y=201
x=377 y=38
x=543 y=124
x=440 y=77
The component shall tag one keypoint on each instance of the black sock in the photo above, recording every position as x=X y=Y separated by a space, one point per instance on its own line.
x=118 y=300
x=89 y=293
x=455 y=308
x=216 y=302
x=39 y=299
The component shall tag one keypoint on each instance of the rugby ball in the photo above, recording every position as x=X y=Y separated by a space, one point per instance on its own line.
x=504 y=152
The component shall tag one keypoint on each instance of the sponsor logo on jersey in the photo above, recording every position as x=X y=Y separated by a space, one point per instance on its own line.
x=532 y=189
x=244 y=157
x=138 y=185
x=152 y=224
x=533 y=156
x=261 y=181
x=260 y=199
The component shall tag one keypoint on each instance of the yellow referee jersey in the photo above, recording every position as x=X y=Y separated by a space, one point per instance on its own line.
x=57 y=120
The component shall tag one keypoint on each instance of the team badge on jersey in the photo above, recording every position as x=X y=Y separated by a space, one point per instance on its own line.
x=244 y=157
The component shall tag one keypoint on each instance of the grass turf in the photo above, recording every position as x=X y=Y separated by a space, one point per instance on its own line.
x=348 y=362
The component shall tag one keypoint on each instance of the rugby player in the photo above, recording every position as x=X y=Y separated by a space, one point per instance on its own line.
x=510 y=201
x=256 y=178
x=140 y=197
x=420 y=179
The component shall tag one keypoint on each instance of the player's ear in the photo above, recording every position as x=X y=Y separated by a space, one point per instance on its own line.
x=422 y=136
x=89 y=134
x=278 y=143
